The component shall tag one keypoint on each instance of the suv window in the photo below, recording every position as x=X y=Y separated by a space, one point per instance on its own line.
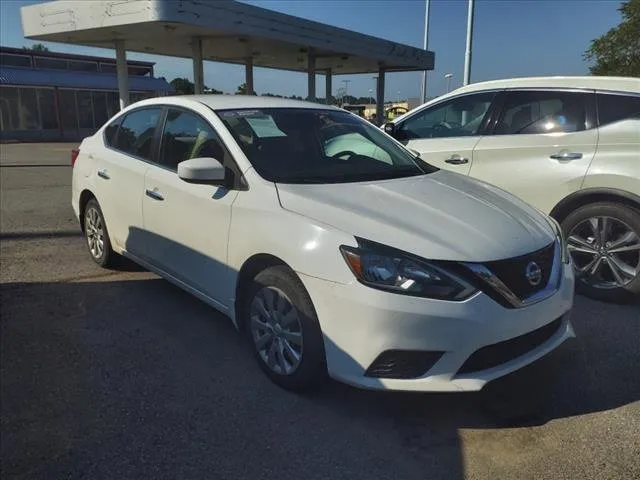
x=613 y=108
x=532 y=112
x=458 y=117
x=187 y=135
x=135 y=135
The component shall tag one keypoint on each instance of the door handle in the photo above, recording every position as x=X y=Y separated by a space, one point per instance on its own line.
x=566 y=155
x=154 y=194
x=456 y=159
x=102 y=173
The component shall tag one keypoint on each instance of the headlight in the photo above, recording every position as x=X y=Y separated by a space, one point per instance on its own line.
x=564 y=251
x=387 y=269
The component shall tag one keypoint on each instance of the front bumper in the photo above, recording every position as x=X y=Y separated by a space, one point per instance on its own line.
x=360 y=323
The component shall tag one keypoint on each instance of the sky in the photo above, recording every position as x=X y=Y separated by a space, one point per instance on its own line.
x=511 y=38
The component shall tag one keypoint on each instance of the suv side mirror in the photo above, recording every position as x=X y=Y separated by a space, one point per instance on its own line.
x=202 y=170
x=390 y=128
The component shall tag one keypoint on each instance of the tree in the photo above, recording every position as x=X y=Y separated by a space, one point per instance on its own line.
x=37 y=47
x=244 y=90
x=182 y=86
x=617 y=52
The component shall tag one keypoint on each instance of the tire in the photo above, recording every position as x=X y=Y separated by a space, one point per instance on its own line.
x=586 y=223
x=97 y=236
x=288 y=319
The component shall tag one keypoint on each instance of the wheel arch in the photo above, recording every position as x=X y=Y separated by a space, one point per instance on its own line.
x=85 y=196
x=593 y=195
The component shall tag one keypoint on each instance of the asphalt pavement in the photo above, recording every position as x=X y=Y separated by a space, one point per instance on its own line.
x=117 y=374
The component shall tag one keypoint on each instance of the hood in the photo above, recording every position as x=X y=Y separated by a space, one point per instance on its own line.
x=440 y=216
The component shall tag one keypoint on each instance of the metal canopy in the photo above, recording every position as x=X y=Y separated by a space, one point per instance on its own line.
x=230 y=32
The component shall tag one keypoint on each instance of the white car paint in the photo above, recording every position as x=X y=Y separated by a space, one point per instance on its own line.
x=214 y=231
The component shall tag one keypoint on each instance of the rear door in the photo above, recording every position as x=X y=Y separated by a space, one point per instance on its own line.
x=445 y=134
x=186 y=225
x=541 y=145
x=119 y=173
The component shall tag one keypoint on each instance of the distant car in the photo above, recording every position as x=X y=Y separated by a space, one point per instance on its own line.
x=569 y=146
x=381 y=270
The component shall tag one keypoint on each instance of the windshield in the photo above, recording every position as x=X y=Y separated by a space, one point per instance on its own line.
x=292 y=145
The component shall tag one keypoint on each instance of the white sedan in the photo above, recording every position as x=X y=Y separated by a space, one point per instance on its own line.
x=327 y=243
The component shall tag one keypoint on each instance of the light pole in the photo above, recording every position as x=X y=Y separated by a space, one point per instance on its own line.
x=371 y=96
x=467 y=53
x=346 y=89
x=398 y=97
x=448 y=77
x=425 y=44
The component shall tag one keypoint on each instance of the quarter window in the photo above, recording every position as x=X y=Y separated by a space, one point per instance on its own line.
x=187 y=135
x=135 y=135
x=542 y=112
x=459 y=117
x=613 y=108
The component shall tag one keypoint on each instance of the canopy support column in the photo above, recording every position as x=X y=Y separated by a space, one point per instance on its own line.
x=248 y=75
x=311 y=74
x=380 y=97
x=198 y=69
x=327 y=86
x=122 y=73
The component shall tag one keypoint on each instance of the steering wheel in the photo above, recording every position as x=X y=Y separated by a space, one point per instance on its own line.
x=343 y=153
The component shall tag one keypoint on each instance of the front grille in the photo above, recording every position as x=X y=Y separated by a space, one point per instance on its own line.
x=402 y=364
x=512 y=272
x=499 y=353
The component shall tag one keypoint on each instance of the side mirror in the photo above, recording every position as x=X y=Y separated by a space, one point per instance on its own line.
x=390 y=128
x=202 y=170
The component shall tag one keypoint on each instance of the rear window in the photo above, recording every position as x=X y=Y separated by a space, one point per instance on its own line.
x=615 y=108
x=135 y=135
x=535 y=112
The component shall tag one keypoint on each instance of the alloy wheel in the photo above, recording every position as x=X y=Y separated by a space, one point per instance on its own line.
x=94 y=231
x=276 y=330
x=605 y=252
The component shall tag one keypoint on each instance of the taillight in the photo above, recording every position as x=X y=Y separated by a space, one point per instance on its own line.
x=74 y=155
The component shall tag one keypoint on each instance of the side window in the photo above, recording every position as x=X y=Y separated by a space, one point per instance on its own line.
x=613 y=108
x=187 y=135
x=135 y=135
x=110 y=132
x=531 y=112
x=459 y=117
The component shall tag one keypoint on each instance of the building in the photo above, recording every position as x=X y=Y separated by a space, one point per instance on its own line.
x=47 y=96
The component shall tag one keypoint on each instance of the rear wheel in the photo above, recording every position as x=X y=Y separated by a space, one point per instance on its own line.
x=604 y=243
x=96 y=235
x=283 y=329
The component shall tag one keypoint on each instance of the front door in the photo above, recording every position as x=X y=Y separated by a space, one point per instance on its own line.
x=541 y=147
x=186 y=225
x=445 y=134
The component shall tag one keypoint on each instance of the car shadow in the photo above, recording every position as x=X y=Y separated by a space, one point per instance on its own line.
x=138 y=379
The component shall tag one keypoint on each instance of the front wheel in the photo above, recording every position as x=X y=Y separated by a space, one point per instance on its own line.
x=604 y=242
x=96 y=235
x=283 y=329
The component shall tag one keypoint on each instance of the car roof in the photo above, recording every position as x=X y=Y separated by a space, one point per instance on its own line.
x=625 y=84
x=230 y=102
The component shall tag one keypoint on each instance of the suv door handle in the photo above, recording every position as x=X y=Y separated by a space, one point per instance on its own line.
x=102 y=173
x=154 y=194
x=566 y=155
x=456 y=159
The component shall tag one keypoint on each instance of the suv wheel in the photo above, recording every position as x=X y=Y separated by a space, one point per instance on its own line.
x=96 y=235
x=604 y=243
x=283 y=329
